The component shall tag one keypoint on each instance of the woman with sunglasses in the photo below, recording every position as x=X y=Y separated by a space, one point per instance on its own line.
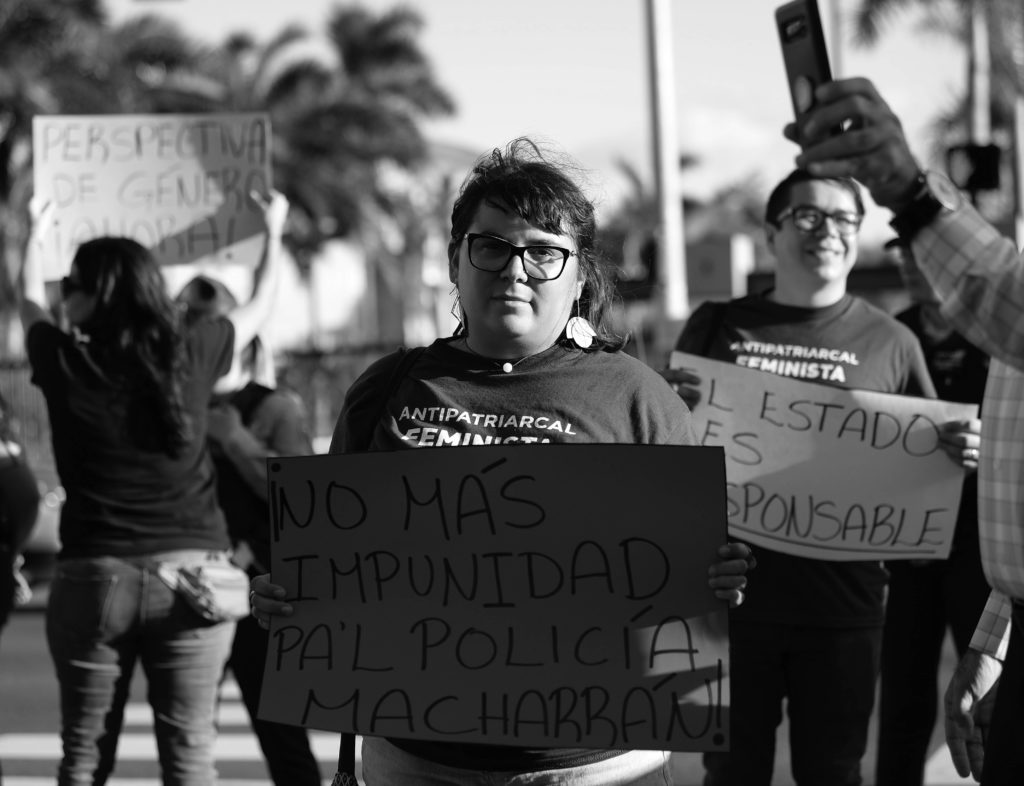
x=535 y=339
x=127 y=389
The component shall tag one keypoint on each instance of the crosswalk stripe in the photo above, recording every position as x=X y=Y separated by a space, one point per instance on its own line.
x=237 y=744
x=31 y=780
x=142 y=747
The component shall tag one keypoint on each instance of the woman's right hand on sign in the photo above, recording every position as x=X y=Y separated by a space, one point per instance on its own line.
x=267 y=599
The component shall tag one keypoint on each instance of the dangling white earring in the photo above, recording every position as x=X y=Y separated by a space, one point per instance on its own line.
x=456 y=310
x=579 y=331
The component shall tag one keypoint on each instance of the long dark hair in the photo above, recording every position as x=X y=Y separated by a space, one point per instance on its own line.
x=135 y=335
x=542 y=193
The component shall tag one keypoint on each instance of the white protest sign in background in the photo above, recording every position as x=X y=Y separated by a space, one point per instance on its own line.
x=827 y=473
x=178 y=184
x=550 y=596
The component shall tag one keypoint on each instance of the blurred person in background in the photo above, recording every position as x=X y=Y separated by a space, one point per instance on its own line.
x=927 y=597
x=19 y=508
x=127 y=390
x=246 y=425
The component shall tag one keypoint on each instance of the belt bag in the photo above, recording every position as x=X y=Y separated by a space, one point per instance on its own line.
x=216 y=589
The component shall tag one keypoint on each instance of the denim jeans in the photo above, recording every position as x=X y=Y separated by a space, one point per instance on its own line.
x=387 y=765
x=106 y=613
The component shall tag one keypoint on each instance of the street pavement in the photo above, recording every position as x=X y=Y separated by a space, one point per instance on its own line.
x=30 y=745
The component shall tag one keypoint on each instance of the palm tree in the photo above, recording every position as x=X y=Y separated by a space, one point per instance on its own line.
x=61 y=57
x=1005 y=34
x=336 y=126
x=39 y=46
x=339 y=129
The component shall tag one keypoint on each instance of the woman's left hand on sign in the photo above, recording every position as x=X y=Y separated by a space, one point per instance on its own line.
x=961 y=440
x=728 y=576
x=267 y=599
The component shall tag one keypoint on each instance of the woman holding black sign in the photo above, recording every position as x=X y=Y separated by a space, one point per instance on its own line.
x=127 y=390
x=534 y=347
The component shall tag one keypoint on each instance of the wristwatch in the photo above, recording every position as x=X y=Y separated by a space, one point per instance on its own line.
x=933 y=192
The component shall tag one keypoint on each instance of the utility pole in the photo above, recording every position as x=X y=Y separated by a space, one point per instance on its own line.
x=836 y=47
x=671 y=244
x=980 y=76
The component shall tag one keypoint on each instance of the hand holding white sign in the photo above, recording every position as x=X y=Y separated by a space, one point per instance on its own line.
x=833 y=474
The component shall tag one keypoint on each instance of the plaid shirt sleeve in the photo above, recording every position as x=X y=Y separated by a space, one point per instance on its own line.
x=992 y=635
x=979 y=275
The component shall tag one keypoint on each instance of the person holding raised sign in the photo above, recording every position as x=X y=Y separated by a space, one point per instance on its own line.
x=979 y=276
x=812 y=625
x=127 y=389
x=534 y=360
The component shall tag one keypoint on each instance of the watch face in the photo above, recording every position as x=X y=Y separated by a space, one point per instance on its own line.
x=942 y=188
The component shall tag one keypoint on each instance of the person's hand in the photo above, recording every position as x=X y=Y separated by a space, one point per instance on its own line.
x=873 y=149
x=22 y=589
x=969 y=700
x=685 y=383
x=728 y=576
x=222 y=422
x=961 y=439
x=274 y=207
x=267 y=599
x=242 y=555
x=40 y=214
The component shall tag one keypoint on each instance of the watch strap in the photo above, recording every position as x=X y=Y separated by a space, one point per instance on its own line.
x=919 y=212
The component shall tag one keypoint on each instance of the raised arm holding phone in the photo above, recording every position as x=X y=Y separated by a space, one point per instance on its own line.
x=979 y=277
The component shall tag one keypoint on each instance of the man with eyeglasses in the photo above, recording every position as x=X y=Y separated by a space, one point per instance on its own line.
x=811 y=633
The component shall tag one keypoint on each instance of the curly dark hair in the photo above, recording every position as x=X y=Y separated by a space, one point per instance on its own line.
x=522 y=179
x=136 y=337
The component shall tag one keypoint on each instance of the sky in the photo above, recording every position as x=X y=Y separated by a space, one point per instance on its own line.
x=575 y=74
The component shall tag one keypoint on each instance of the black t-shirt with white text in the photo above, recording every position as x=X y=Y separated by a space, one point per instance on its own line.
x=449 y=398
x=125 y=496
x=850 y=344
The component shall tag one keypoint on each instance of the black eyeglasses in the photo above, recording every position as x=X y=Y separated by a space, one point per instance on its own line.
x=492 y=254
x=808 y=218
x=70 y=285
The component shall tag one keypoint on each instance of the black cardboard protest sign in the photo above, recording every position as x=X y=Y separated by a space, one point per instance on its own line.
x=534 y=595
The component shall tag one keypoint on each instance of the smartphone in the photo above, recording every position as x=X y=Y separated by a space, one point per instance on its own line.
x=804 y=52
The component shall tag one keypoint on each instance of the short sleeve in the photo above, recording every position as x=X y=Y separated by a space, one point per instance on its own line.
x=41 y=345
x=363 y=405
x=698 y=333
x=211 y=345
